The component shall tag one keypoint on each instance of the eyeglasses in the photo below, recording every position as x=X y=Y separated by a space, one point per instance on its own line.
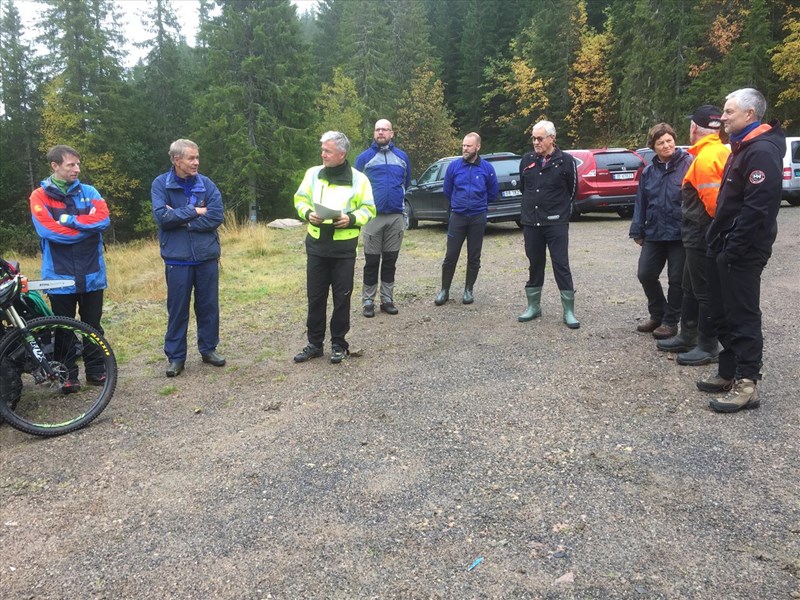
x=536 y=138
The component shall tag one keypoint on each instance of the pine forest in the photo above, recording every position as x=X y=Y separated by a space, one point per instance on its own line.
x=261 y=81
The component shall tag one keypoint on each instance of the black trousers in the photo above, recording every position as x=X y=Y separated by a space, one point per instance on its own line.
x=323 y=274
x=556 y=239
x=651 y=262
x=735 y=290
x=90 y=305
x=462 y=228
x=696 y=273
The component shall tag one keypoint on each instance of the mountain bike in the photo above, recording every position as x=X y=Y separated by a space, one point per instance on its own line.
x=56 y=374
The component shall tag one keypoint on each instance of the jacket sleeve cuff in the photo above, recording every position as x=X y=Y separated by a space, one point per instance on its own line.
x=352 y=218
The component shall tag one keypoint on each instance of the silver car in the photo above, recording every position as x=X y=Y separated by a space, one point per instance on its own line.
x=791 y=171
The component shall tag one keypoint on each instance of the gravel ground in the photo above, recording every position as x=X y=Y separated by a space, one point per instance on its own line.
x=576 y=464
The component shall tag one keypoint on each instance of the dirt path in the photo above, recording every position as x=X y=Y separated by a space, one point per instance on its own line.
x=576 y=464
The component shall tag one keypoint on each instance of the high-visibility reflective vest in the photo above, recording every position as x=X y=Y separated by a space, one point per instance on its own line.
x=355 y=199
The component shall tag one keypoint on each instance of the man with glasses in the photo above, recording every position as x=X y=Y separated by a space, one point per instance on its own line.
x=389 y=172
x=548 y=179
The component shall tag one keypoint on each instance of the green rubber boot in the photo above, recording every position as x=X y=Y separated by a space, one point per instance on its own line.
x=568 y=303
x=534 y=309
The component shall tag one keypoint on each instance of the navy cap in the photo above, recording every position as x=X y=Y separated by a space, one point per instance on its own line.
x=707 y=116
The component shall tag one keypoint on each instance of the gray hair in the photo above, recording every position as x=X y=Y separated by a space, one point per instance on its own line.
x=704 y=131
x=178 y=147
x=338 y=138
x=548 y=127
x=749 y=98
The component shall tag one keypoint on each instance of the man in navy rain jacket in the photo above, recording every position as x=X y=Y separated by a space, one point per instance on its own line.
x=188 y=210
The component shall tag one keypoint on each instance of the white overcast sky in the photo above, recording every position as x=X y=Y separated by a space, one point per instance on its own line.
x=131 y=11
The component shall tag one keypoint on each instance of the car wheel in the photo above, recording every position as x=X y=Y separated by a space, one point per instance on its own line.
x=409 y=220
x=574 y=212
x=625 y=213
x=793 y=200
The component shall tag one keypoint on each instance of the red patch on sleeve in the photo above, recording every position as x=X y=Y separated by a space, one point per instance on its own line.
x=757 y=177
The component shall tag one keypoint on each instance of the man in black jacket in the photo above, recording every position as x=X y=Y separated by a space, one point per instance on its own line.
x=549 y=179
x=740 y=242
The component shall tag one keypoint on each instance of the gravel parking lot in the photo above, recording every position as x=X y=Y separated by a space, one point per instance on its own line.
x=574 y=463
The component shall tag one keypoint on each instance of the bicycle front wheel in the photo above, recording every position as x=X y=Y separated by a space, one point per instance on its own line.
x=56 y=376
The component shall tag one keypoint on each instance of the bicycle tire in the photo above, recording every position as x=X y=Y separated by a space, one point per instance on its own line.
x=48 y=405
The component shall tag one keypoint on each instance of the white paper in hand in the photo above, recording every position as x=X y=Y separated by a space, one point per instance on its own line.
x=326 y=213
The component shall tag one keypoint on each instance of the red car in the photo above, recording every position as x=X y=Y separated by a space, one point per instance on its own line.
x=607 y=181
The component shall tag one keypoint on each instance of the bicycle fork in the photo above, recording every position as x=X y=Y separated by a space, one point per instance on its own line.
x=33 y=349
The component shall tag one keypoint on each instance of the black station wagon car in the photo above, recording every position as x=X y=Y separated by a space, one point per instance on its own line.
x=425 y=200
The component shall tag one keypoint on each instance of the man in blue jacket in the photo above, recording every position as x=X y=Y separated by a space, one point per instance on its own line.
x=470 y=183
x=69 y=217
x=188 y=210
x=389 y=172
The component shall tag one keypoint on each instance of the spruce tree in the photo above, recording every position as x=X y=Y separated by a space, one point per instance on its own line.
x=19 y=170
x=253 y=122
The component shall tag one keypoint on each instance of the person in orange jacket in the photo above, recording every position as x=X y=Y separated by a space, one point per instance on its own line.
x=697 y=341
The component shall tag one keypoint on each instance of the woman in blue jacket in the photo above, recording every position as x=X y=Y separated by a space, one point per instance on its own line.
x=656 y=227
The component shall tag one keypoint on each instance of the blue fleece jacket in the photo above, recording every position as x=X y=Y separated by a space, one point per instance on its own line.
x=470 y=186
x=389 y=172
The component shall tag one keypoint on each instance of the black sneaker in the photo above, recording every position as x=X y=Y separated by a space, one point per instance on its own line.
x=338 y=354
x=98 y=380
x=389 y=308
x=308 y=353
x=369 y=309
x=71 y=386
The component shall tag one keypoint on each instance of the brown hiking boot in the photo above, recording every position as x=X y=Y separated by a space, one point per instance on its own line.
x=663 y=332
x=714 y=385
x=743 y=395
x=648 y=326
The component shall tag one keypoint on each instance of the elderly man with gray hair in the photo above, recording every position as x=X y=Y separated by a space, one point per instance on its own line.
x=740 y=240
x=188 y=210
x=549 y=180
x=336 y=200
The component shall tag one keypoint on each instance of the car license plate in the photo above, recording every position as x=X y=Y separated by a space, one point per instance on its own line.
x=797 y=172
x=623 y=176
x=511 y=193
